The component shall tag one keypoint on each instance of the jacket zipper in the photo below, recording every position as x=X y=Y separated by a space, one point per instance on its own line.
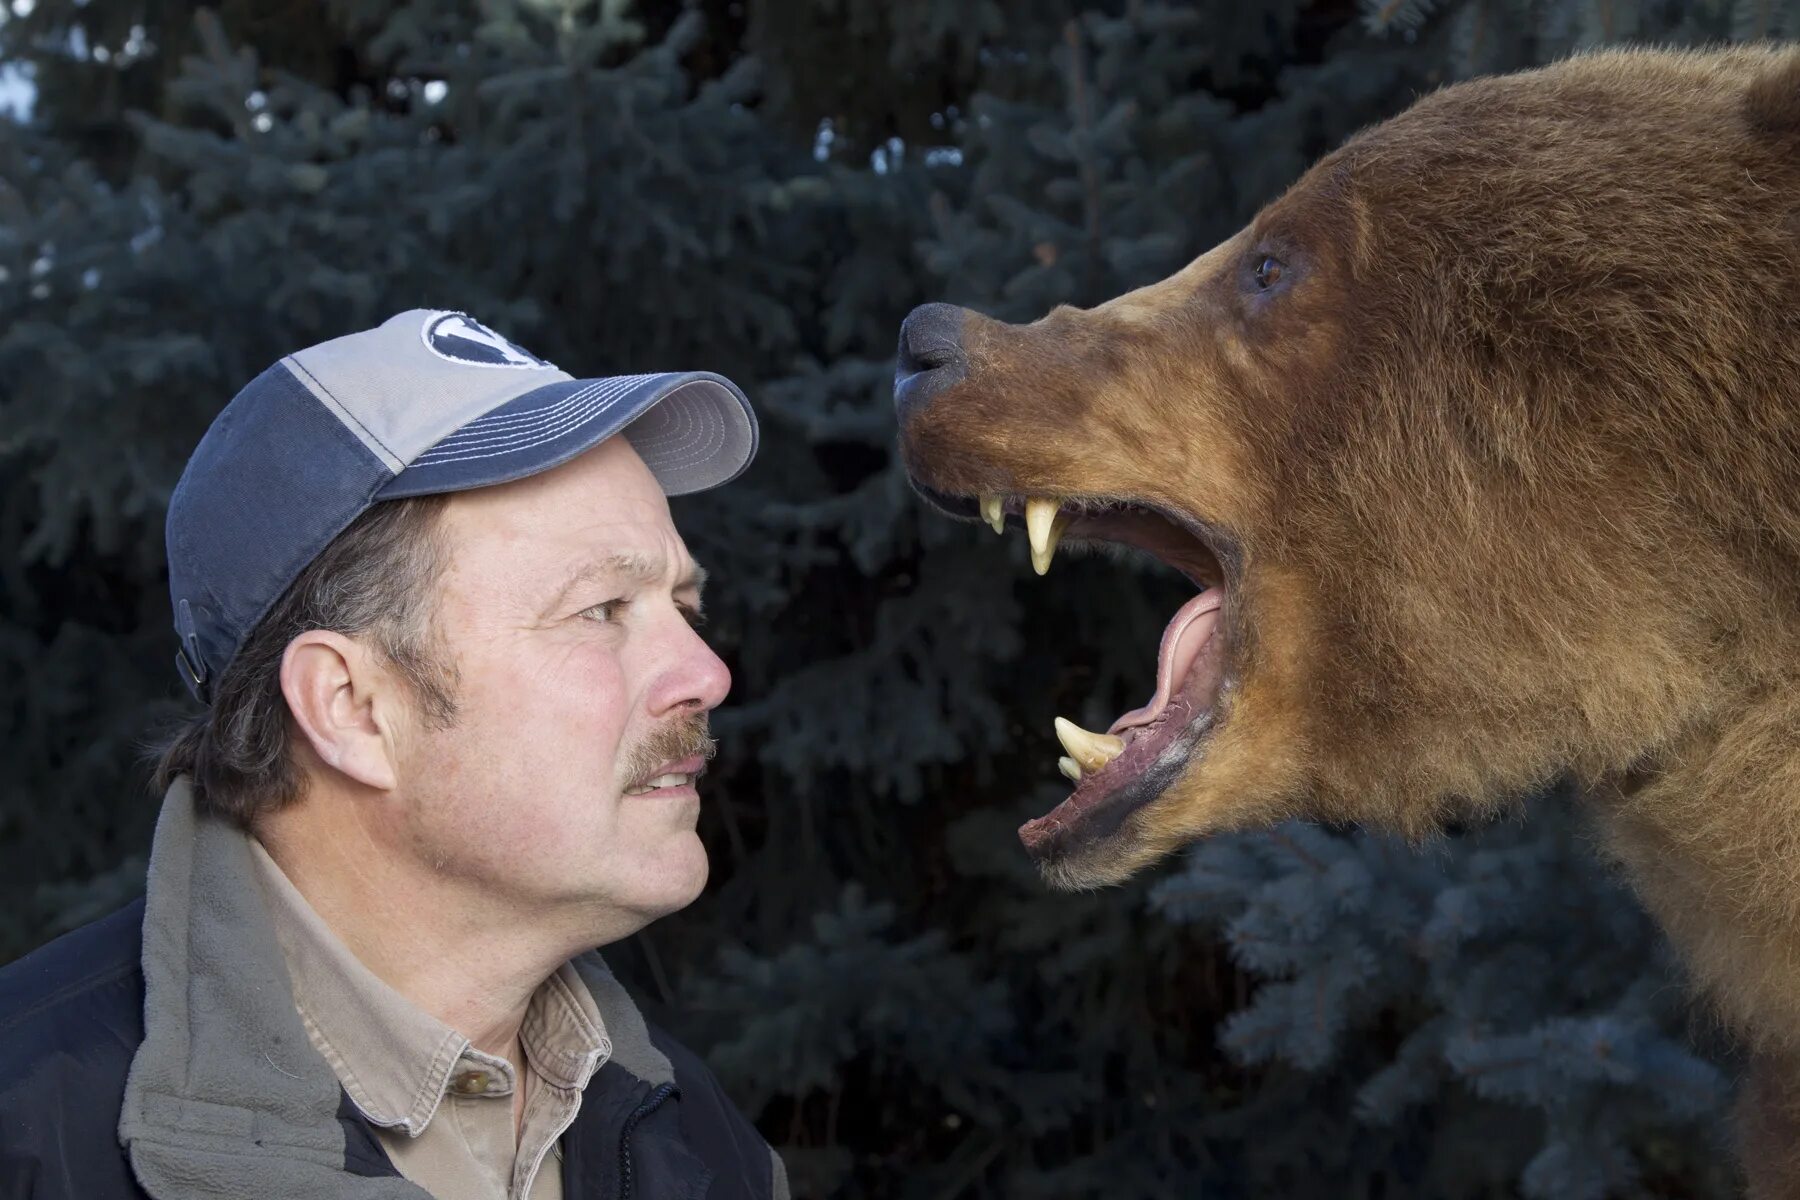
x=651 y=1103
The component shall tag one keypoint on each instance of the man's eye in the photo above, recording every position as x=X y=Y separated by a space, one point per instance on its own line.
x=692 y=615
x=606 y=610
x=1268 y=271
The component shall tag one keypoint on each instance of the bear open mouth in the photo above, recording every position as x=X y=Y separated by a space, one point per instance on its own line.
x=1145 y=750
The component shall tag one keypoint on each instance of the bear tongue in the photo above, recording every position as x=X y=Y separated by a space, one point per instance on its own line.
x=1186 y=636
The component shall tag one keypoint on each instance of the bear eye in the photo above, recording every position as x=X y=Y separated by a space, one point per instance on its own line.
x=1268 y=271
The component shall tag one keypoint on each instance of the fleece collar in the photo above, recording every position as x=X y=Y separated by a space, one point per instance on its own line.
x=227 y=1097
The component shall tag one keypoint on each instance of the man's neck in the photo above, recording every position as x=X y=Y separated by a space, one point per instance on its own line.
x=464 y=958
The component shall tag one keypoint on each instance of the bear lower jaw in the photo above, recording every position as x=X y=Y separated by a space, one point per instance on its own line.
x=1084 y=843
x=1160 y=752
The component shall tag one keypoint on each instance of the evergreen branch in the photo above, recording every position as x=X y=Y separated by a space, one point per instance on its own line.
x=1381 y=17
x=1086 y=166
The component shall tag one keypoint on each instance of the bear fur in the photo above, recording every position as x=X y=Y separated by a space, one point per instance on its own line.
x=1500 y=479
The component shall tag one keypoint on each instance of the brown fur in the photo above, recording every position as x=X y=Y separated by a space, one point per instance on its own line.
x=1512 y=473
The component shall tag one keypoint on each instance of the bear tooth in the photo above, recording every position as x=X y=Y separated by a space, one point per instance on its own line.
x=1044 y=524
x=1091 y=751
x=993 y=513
x=1069 y=769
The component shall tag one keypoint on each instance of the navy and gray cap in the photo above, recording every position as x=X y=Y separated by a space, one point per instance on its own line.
x=427 y=402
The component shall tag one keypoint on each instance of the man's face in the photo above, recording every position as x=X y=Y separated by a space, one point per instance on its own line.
x=566 y=781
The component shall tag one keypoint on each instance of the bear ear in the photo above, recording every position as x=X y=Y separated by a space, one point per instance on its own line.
x=1773 y=102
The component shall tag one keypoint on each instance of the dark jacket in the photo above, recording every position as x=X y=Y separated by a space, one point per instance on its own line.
x=219 y=1095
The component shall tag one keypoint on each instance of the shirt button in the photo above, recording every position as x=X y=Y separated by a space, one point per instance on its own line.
x=470 y=1083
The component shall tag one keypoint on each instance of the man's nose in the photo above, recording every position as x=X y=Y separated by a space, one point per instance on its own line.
x=931 y=356
x=696 y=679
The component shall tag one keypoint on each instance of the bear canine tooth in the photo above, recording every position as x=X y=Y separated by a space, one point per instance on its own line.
x=1091 y=751
x=1067 y=766
x=993 y=513
x=1044 y=524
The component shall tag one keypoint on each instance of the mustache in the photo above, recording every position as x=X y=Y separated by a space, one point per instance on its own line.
x=683 y=737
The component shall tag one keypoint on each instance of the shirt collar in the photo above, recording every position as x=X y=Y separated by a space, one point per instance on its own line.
x=394 y=1059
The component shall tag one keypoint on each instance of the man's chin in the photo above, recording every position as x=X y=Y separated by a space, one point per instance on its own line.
x=672 y=878
x=698 y=869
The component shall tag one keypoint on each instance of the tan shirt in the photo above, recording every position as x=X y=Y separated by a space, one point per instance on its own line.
x=442 y=1109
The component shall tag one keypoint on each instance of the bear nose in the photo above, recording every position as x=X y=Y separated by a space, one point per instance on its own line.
x=931 y=356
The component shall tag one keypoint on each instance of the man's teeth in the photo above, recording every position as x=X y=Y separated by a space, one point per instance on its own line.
x=1044 y=525
x=661 y=781
x=1088 y=751
x=993 y=511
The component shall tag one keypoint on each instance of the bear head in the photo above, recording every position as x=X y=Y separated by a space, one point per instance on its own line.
x=1480 y=445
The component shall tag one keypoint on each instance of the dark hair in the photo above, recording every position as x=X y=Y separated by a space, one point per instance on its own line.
x=377 y=579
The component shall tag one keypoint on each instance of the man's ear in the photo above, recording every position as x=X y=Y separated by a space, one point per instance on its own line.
x=345 y=703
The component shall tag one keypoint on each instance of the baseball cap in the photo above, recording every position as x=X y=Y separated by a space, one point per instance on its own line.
x=429 y=401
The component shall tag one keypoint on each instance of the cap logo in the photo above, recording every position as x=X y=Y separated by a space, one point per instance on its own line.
x=462 y=339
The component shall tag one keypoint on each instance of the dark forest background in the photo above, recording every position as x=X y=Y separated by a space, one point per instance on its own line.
x=765 y=189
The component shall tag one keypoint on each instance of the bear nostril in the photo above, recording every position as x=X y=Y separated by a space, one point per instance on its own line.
x=932 y=357
x=930 y=337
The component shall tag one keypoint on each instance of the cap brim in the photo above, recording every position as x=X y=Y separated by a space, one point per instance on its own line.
x=693 y=429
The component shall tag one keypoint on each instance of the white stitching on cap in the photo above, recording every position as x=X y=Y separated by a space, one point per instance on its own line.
x=548 y=415
x=678 y=418
x=604 y=392
x=527 y=423
x=493 y=421
x=688 y=430
x=684 y=448
x=591 y=403
x=566 y=422
x=577 y=422
x=486 y=425
x=670 y=430
x=702 y=448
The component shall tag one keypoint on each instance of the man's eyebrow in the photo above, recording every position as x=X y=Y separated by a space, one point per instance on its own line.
x=626 y=568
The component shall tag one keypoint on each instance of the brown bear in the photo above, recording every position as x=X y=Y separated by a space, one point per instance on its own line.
x=1481 y=447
